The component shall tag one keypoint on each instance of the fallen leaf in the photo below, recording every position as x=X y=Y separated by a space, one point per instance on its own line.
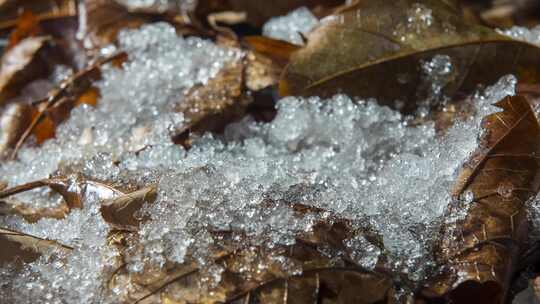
x=18 y=245
x=27 y=26
x=319 y=277
x=74 y=190
x=120 y=211
x=211 y=106
x=376 y=48
x=56 y=107
x=480 y=251
x=14 y=119
x=265 y=63
x=20 y=65
x=42 y=9
x=102 y=20
x=259 y=12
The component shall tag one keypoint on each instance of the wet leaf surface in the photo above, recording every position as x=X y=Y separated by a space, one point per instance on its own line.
x=260 y=12
x=74 y=191
x=212 y=106
x=18 y=245
x=480 y=251
x=375 y=48
x=319 y=278
x=120 y=211
x=20 y=65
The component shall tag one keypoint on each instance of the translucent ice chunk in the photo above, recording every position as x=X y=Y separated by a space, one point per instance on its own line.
x=531 y=35
x=291 y=27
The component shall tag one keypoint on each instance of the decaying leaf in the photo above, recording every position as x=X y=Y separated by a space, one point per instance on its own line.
x=480 y=251
x=120 y=211
x=20 y=65
x=18 y=245
x=13 y=121
x=43 y=9
x=265 y=63
x=102 y=20
x=56 y=107
x=75 y=191
x=211 y=106
x=260 y=12
x=375 y=48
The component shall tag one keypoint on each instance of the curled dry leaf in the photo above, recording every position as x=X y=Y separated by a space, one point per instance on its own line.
x=265 y=63
x=375 y=48
x=211 y=106
x=75 y=191
x=73 y=91
x=14 y=119
x=259 y=12
x=101 y=20
x=120 y=211
x=18 y=245
x=43 y=9
x=480 y=251
x=20 y=65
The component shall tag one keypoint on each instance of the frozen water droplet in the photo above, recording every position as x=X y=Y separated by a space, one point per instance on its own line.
x=292 y=26
x=419 y=18
x=468 y=196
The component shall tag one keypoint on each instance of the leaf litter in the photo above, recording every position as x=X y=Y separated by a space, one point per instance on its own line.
x=338 y=198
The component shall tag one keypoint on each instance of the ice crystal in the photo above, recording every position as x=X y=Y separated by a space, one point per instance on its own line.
x=419 y=19
x=292 y=26
x=436 y=74
x=531 y=35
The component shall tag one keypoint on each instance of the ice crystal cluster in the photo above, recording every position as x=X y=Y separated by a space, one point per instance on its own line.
x=419 y=19
x=292 y=26
x=354 y=158
x=531 y=35
x=160 y=5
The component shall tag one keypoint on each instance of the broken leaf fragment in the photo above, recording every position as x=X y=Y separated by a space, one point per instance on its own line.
x=18 y=245
x=20 y=65
x=376 y=48
x=212 y=106
x=266 y=61
x=479 y=250
x=120 y=211
x=74 y=191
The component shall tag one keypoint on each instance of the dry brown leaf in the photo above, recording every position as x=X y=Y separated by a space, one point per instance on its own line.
x=27 y=26
x=258 y=12
x=375 y=50
x=120 y=211
x=74 y=190
x=20 y=65
x=265 y=63
x=256 y=274
x=21 y=246
x=479 y=253
x=42 y=9
x=14 y=119
x=211 y=106
x=57 y=106
x=102 y=21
